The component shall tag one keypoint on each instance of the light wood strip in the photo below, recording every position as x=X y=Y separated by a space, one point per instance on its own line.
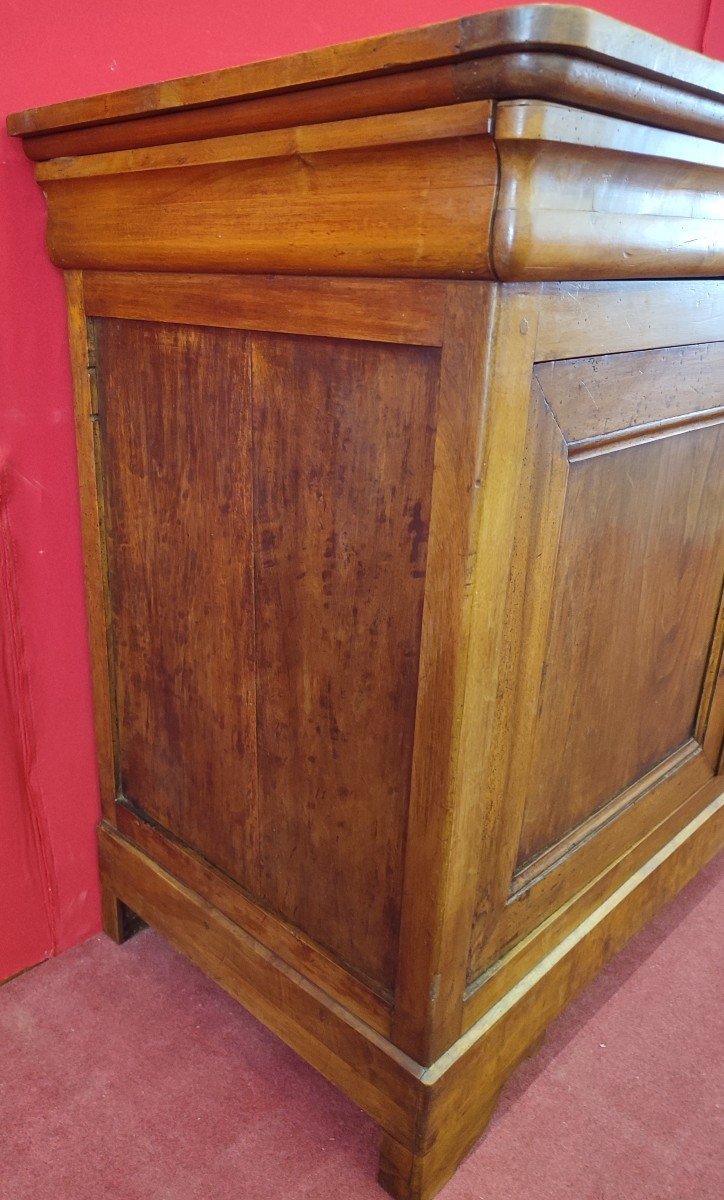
x=512 y=1024
x=452 y=121
x=507 y=971
x=93 y=535
x=549 y=889
x=410 y=313
x=582 y=319
x=539 y=121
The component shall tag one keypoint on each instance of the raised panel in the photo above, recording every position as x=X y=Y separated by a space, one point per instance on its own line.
x=615 y=626
x=637 y=586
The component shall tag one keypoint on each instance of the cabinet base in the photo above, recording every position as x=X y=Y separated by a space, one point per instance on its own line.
x=431 y=1116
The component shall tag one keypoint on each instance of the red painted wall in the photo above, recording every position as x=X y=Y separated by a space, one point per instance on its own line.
x=51 y=52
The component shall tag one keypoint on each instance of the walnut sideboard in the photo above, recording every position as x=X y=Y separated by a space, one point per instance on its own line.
x=399 y=380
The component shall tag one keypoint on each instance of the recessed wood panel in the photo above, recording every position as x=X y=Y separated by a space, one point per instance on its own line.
x=612 y=623
x=637 y=586
x=267 y=508
x=175 y=421
x=343 y=437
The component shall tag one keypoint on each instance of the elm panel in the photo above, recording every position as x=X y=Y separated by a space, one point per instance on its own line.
x=175 y=422
x=635 y=599
x=343 y=436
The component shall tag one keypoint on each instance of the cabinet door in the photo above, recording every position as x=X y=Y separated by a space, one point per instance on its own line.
x=610 y=715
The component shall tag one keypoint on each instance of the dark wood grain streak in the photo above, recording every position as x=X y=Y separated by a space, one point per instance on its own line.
x=176 y=439
x=343 y=436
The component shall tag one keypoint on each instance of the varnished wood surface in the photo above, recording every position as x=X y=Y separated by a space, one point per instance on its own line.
x=380 y=1078
x=286 y=940
x=585 y=197
x=430 y=1117
x=422 y=208
x=574 y=32
x=374 y=891
x=406 y=594
x=342 y=485
x=364 y=310
x=516 y=952
x=614 y=423
x=634 y=570
x=95 y=567
x=460 y=120
x=554 y=193
x=266 y=627
x=584 y=319
x=435 y=925
x=531 y=74
x=178 y=501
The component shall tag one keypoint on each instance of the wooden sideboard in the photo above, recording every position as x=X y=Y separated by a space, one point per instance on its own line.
x=399 y=379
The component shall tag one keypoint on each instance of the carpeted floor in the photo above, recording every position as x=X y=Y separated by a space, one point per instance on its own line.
x=125 y=1074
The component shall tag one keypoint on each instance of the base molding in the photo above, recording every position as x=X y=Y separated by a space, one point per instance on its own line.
x=432 y=1116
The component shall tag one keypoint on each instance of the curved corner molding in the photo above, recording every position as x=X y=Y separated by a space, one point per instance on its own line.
x=584 y=196
x=543 y=142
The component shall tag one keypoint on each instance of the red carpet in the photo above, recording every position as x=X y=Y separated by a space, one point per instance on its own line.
x=126 y=1074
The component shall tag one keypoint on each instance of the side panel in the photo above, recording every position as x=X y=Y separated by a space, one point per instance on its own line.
x=267 y=502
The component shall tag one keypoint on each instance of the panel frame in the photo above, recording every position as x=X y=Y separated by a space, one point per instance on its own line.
x=423 y=313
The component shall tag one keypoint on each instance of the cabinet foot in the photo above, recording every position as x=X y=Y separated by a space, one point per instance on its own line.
x=418 y=1174
x=119 y=921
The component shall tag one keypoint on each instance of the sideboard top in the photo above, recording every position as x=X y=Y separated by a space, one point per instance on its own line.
x=560 y=38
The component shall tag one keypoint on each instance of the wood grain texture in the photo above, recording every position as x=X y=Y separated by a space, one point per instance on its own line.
x=651 y=568
x=288 y=941
x=436 y=124
x=516 y=952
x=95 y=567
x=381 y=1080
x=463 y=1083
x=362 y=309
x=435 y=927
x=584 y=197
x=430 y=1117
x=176 y=439
x=557 y=29
x=577 y=320
x=342 y=477
x=499 y=76
x=588 y=715
x=419 y=209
